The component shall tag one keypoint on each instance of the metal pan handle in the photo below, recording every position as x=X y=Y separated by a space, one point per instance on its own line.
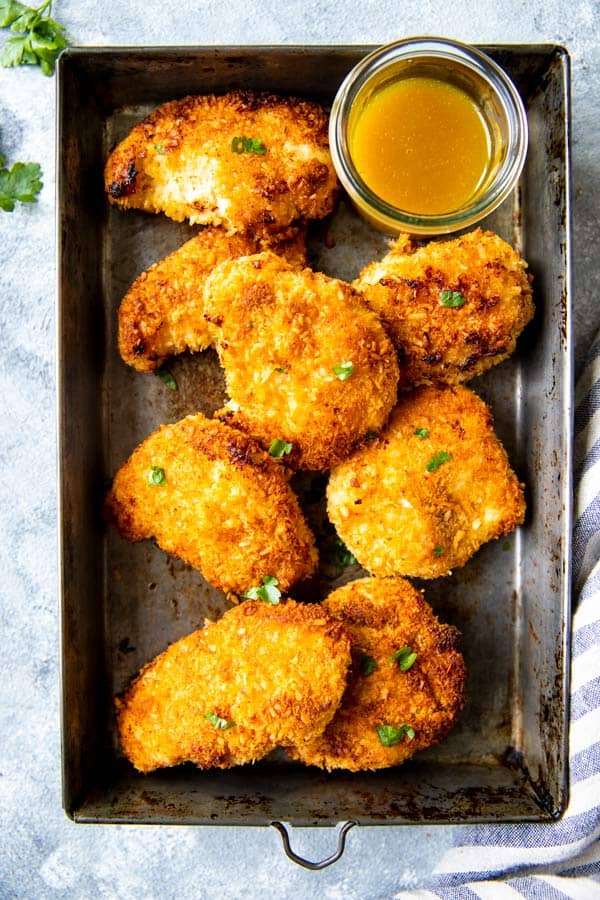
x=314 y=866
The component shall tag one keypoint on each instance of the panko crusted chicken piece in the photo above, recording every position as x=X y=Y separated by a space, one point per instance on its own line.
x=251 y=162
x=436 y=484
x=453 y=308
x=162 y=313
x=306 y=363
x=213 y=497
x=229 y=693
x=406 y=685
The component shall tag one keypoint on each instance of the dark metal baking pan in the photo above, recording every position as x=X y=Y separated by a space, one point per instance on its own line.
x=123 y=603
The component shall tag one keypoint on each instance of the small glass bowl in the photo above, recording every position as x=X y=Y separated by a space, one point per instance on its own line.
x=465 y=67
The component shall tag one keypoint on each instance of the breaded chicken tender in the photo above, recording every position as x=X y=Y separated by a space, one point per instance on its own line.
x=406 y=686
x=453 y=308
x=420 y=499
x=213 y=497
x=162 y=313
x=252 y=162
x=229 y=693
x=306 y=362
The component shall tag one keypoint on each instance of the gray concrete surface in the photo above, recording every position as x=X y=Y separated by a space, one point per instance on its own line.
x=42 y=854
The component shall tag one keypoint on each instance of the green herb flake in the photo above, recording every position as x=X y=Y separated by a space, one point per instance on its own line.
x=343 y=370
x=341 y=557
x=159 y=148
x=22 y=183
x=422 y=433
x=404 y=657
x=157 y=477
x=37 y=40
x=267 y=591
x=217 y=722
x=452 y=299
x=371 y=436
x=281 y=370
x=438 y=551
x=390 y=736
x=167 y=378
x=438 y=459
x=248 y=145
x=367 y=665
x=278 y=448
x=506 y=546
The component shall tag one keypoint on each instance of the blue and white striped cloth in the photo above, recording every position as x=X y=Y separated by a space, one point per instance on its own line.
x=559 y=860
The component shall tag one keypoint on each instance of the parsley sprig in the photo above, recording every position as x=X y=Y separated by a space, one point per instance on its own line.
x=21 y=183
x=390 y=736
x=267 y=591
x=38 y=39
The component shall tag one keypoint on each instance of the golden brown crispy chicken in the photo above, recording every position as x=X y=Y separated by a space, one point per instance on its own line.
x=252 y=162
x=162 y=313
x=213 y=497
x=453 y=308
x=229 y=693
x=420 y=499
x=306 y=362
x=406 y=686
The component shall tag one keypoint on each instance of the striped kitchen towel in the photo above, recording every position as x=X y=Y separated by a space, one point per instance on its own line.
x=556 y=860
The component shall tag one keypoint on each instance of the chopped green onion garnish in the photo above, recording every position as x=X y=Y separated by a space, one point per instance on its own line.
x=217 y=722
x=422 y=432
x=367 y=664
x=167 y=378
x=437 y=460
x=248 y=145
x=404 y=657
x=343 y=370
x=389 y=736
x=267 y=591
x=279 y=448
x=156 y=476
x=452 y=299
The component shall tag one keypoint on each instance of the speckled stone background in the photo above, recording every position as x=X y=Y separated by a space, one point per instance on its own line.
x=42 y=854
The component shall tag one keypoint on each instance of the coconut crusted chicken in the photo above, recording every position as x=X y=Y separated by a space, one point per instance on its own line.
x=453 y=308
x=252 y=162
x=162 y=313
x=213 y=497
x=406 y=686
x=306 y=363
x=229 y=693
x=436 y=484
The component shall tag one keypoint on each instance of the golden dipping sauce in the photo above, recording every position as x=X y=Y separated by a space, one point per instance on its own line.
x=422 y=145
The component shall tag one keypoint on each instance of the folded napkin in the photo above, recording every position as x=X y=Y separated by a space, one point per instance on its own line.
x=558 y=860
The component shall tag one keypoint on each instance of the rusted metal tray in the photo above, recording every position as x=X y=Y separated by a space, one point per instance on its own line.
x=124 y=603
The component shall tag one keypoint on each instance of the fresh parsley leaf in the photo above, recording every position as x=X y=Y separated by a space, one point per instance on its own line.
x=452 y=299
x=340 y=556
x=278 y=448
x=281 y=370
x=20 y=183
x=267 y=591
x=389 y=736
x=437 y=551
x=343 y=370
x=422 y=432
x=438 y=459
x=371 y=435
x=159 y=148
x=367 y=664
x=38 y=38
x=167 y=378
x=248 y=145
x=404 y=657
x=156 y=476
x=217 y=722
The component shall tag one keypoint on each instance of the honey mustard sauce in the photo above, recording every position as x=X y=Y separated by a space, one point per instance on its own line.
x=422 y=145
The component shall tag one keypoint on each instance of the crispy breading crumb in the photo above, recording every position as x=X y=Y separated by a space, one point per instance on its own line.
x=218 y=501
x=383 y=617
x=188 y=160
x=435 y=485
x=488 y=292
x=229 y=693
